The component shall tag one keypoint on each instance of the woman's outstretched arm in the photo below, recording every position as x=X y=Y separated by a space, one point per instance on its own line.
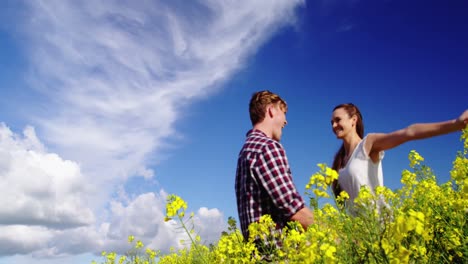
x=377 y=142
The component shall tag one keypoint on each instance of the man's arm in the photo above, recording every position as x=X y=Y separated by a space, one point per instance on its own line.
x=277 y=181
x=304 y=217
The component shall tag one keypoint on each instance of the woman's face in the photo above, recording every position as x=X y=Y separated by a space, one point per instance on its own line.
x=342 y=123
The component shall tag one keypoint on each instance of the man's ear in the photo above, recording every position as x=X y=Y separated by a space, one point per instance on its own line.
x=270 y=111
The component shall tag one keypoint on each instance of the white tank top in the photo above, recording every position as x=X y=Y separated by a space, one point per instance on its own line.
x=360 y=170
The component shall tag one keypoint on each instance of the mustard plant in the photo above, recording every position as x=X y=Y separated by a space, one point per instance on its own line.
x=421 y=222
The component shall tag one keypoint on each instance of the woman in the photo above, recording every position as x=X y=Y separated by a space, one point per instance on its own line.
x=358 y=161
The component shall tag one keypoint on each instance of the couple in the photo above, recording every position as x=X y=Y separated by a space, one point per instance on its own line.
x=264 y=182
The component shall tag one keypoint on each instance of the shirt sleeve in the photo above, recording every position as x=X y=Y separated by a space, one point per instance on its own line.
x=275 y=176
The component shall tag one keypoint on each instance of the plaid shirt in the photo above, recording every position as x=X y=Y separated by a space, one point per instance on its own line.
x=264 y=182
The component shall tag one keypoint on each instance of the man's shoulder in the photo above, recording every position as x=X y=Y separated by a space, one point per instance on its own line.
x=259 y=141
x=258 y=136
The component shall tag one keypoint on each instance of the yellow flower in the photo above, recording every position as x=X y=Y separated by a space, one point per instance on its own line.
x=139 y=244
x=364 y=196
x=344 y=195
x=111 y=257
x=331 y=175
x=464 y=138
x=122 y=259
x=329 y=250
x=151 y=253
x=416 y=221
x=408 y=178
x=330 y=210
x=386 y=246
x=414 y=158
x=320 y=193
x=403 y=254
x=174 y=204
x=459 y=172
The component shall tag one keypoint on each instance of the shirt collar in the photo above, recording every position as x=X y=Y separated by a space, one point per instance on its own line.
x=256 y=131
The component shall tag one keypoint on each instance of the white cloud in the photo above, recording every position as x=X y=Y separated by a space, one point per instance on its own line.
x=209 y=223
x=143 y=218
x=43 y=208
x=116 y=75
x=17 y=239
x=39 y=188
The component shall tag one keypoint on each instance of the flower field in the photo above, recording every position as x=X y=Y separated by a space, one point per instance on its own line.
x=422 y=222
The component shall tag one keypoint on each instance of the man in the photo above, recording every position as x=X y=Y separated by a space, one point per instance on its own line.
x=263 y=178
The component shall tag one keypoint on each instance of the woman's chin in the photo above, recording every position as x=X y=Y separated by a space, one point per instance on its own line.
x=339 y=136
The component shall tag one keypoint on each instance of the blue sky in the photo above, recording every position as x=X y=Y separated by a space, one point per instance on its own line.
x=108 y=107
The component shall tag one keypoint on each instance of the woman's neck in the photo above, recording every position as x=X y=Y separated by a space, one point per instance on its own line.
x=350 y=143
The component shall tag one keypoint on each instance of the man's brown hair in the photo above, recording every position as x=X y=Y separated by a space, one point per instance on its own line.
x=259 y=102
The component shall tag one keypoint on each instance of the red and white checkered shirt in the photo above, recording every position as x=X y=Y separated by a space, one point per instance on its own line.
x=264 y=182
